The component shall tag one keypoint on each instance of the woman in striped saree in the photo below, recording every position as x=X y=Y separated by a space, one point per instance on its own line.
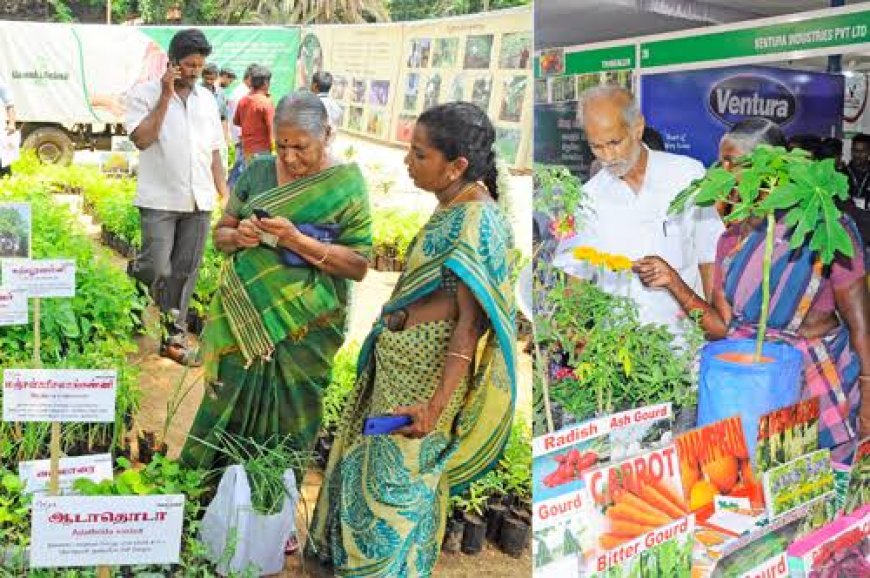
x=442 y=353
x=822 y=311
x=280 y=313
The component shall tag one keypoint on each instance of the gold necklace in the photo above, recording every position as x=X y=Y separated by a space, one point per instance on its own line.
x=463 y=194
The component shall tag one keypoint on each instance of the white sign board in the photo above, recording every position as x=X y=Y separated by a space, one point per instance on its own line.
x=63 y=395
x=43 y=278
x=76 y=531
x=13 y=307
x=10 y=145
x=36 y=474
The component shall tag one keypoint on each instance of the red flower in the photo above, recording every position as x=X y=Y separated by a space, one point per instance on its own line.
x=563 y=228
x=564 y=373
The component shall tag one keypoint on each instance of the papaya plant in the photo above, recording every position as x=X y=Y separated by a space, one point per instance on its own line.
x=772 y=181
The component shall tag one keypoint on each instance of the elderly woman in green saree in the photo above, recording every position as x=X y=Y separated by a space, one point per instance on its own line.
x=442 y=353
x=279 y=315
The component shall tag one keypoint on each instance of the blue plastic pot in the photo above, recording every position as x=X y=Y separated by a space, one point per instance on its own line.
x=750 y=390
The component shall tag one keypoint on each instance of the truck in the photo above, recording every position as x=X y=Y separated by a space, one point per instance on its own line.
x=70 y=81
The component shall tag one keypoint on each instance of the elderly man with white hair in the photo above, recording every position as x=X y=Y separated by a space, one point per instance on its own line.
x=628 y=203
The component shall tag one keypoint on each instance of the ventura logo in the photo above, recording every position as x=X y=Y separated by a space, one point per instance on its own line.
x=746 y=95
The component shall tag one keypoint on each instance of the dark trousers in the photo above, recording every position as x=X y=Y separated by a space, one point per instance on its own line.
x=172 y=248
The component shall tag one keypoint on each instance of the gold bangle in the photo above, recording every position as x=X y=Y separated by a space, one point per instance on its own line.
x=325 y=256
x=459 y=355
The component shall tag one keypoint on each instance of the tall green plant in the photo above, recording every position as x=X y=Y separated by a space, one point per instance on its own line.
x=771 y=180
x=558 y=194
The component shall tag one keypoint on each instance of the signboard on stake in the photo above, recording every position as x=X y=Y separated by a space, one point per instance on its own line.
x=42 y=278
x=36 y=474
x=78 y=531
x=13 y=307
x=61 y=395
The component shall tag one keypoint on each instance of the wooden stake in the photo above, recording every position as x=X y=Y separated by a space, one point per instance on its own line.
x=54 y=479
x=37 y=338
x=104 y=572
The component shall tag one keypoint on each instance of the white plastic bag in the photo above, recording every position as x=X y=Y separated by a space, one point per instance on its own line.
x=240 y=538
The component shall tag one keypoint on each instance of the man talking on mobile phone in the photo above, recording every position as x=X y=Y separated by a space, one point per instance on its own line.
x=175 y=123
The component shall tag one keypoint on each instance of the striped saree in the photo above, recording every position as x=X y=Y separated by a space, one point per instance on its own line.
x=830 y=366
x=383 y=504
x=273 y=330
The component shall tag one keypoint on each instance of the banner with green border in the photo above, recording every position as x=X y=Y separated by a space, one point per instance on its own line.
x=817 y=33
x=237 y=47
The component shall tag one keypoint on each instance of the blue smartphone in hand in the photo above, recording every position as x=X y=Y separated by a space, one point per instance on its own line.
x=384 y=424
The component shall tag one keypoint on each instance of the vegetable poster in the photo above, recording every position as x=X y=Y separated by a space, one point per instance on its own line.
x=743 y=556
x=797 y=482
x=662 y=553
x=842 y=548
x=635 y=497
x=858 y=492
x=714 y=461
x=563 y=537
x=561 y=458
x=786 y=434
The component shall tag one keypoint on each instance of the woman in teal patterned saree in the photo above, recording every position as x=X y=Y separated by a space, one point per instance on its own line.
x=280 y=313
x=442 y=353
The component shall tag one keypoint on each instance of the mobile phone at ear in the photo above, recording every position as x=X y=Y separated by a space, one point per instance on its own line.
x=262 y=213
x=384 y=424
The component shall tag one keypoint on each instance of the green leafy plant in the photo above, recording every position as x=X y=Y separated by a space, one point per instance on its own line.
x=14 y=512
x=614 y=362
x=264 y=464
x=341 y=384
x=559 y=196
x=92 y=330
x=473 y=501
x=515 y=467
x=163 y=476
x=772 y=180
x=393 y=230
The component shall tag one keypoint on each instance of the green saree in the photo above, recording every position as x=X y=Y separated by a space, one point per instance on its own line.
x=273 y=330
x=383 y=504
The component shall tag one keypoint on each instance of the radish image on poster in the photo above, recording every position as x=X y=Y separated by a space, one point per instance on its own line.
x=560 y=459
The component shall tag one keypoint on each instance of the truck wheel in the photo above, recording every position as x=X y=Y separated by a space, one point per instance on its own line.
x=52 y=145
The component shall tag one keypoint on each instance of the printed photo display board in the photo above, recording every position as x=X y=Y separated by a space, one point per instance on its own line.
x=386 y=75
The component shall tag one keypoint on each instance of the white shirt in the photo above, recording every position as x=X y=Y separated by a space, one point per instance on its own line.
x=333 y=110
x=238 y=93
x=175 y=172
x=5 y=100
x=637 y=225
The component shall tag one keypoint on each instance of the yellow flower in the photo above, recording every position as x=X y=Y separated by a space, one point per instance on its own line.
x=584 y=253
x=598 y=259
x=618 y=263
